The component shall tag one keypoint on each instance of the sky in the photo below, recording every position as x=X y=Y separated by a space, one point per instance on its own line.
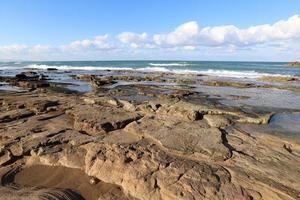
x=250 y=30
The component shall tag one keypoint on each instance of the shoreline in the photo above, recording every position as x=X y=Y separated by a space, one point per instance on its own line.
x=225 y=69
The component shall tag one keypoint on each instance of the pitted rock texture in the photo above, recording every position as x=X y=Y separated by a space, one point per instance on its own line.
x=187 y=138
x=96 y=119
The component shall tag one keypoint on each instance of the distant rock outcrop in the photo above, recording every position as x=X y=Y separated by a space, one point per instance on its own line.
x=293 y=64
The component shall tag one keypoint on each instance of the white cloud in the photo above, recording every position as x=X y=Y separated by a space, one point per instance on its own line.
x=189 y=37
x=14 y=48
x=129 y=37
x=79 y=47
x=191 y=48
x=98 y=43
x=134 y=40
x=40 y=49
x=189 y=34
x=185 y=34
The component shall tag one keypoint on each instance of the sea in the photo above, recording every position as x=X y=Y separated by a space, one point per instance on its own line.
x=251 y=70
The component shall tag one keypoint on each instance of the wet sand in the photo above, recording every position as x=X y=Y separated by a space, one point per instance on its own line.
x=63 y=177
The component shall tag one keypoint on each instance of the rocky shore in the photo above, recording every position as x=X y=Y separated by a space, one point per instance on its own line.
x=138 y=141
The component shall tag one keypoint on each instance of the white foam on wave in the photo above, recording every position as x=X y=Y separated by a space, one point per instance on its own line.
x=210 y=72
x=163 y=69
x=68 y=67
x=237 y=74
x=169 y=64
x=8 y=68
x=153 y=69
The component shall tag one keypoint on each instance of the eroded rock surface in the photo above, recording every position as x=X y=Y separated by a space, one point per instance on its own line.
x=97 y=119
x=173 y=145
x=183 y=137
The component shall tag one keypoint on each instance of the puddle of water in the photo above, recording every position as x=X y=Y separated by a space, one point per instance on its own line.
x=261 y=97
x=83 y=88
x=282 y=124
x=286 y=122
x=7 y=87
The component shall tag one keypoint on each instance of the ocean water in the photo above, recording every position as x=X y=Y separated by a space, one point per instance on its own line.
x=249 y=70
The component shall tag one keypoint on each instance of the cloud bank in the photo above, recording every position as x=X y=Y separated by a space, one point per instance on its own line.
x=189 y=36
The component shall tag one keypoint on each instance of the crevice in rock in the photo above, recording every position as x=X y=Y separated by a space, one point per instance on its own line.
x=12 y=160
x=84 y=133
x=50 y=117
x=56 y=133
x=231 y=148
x=225 y=141
x=156 y=186
x=9 y=177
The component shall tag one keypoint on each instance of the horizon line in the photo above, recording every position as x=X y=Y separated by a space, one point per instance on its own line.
x=164 y=60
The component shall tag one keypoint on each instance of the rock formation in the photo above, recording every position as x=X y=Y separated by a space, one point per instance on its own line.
x=163 y=145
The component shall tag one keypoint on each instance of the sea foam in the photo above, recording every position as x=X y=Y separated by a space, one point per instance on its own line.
x=211 y=72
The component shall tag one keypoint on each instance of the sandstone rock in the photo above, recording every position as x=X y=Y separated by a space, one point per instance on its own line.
x=217 y=121
x=263 y=119
x=168 y=154
x=32 y=84
x=5 y=156
x=16 y=149
x=40 y=106
x=101 y=81
x=279 y=78
x=102 y=101
x=149 y=173
x=96 y=120
x=293 y=64
x=127 y=105
x=155 y=105
x=229 y=84
x=15 y=114
x=183 y=112
x=184 y=137
x=84 y=77
x=145 y=109
x=187 y=81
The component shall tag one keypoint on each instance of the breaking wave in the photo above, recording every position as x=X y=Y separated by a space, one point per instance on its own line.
x=69 y=67
x=236 y=74
x=170 y=64
x=211 y=72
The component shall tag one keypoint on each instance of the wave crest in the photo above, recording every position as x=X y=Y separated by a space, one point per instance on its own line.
x=170 y=64
x=68 y=67
x=210 y=72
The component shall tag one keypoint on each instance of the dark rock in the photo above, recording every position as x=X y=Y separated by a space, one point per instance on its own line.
x=51 y=69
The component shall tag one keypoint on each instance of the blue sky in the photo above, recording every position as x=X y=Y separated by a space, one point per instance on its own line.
x=90 y=29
